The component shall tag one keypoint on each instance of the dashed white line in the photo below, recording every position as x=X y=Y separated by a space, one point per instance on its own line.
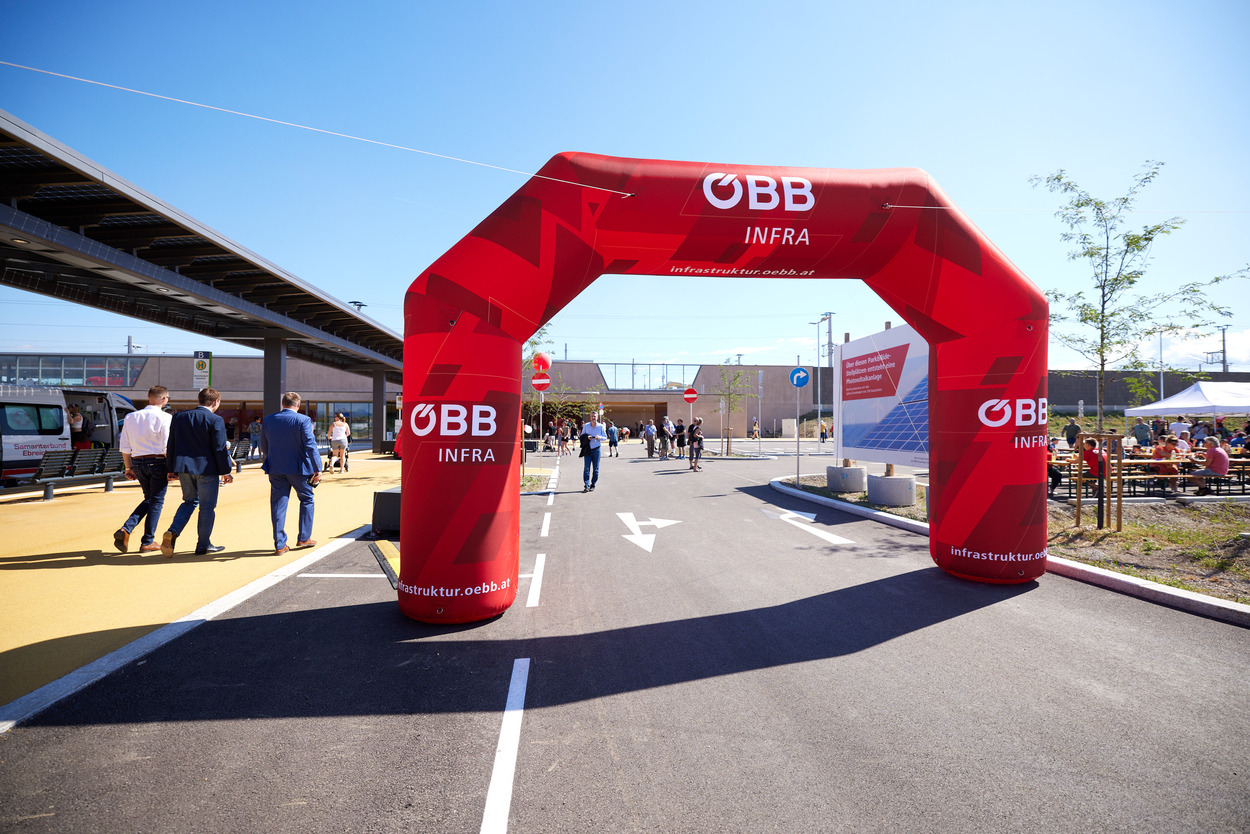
x=499 y=794
x=536 y=581
x=546 y=524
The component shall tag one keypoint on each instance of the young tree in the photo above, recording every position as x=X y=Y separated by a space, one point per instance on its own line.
x=1109 y=323
x=734 y=389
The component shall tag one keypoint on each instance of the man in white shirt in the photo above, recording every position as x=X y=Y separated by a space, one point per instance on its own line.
x=593 y=436
x=144 y=436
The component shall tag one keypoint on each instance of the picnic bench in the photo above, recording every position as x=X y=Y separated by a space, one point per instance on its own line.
x=78 y=465
x=239 y=452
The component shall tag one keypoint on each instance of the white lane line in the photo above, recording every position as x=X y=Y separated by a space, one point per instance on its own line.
x=551 y=498
x=536 y=581
x=17 y=711
x=499 y=794
x=546 y=524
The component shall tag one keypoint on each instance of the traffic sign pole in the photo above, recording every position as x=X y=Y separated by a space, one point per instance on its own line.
x=798 y=378
x=690 y=396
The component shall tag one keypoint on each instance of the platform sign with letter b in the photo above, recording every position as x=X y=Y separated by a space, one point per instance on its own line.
x=202 y=373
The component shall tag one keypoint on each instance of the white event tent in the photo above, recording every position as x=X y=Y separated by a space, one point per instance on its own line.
x=1199 y=399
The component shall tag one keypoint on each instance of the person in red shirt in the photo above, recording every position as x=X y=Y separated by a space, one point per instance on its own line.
x=1097 y=463
x=1166 y=452
x=1216 y=466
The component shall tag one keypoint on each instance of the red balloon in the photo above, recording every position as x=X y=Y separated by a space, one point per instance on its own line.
x=542 y=361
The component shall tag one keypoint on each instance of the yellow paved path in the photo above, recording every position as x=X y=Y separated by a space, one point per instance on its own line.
x=67 y=597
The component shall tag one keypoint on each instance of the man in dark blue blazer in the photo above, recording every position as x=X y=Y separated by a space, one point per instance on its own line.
x=289 y=447
x=199 y=459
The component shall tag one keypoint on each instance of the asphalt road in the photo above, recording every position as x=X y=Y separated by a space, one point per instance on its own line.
x=748 y=668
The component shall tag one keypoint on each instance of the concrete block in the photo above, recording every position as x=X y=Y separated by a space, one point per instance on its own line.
x=847 y=478
x=892 y=490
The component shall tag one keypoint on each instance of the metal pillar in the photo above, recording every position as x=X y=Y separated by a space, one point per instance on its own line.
x=379 y=410
x=274 y=385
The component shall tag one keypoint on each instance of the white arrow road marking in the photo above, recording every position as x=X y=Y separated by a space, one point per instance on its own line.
x=643 y=540
x=791 y=517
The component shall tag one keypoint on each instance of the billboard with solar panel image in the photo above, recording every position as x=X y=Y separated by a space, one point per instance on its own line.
x=885 y=398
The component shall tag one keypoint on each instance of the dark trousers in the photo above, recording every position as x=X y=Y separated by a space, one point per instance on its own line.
x=151 y=474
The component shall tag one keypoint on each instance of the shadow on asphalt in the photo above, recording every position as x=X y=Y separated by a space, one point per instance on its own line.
x=368 y=659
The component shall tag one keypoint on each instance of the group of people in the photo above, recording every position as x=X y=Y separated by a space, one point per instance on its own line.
x=672 y=439
x=1168 y=445
x=191 y=447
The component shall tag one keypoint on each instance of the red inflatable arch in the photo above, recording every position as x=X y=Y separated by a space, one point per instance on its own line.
x=467 y=317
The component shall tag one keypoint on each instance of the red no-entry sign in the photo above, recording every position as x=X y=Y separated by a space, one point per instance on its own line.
x=540 y=382
x=691 y=395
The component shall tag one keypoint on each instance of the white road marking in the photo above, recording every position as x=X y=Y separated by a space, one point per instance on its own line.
x=792 y=517
x=536 y=580
x=546 y=524
x=644 y=540
x=499 y=794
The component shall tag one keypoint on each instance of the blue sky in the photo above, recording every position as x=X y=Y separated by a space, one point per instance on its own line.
x=981 y=95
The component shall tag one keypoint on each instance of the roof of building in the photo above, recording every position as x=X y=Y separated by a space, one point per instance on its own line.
x=73 y=230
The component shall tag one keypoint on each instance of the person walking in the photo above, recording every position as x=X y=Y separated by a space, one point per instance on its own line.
x=696 y=444
x=253 y=432
x=198 y=458
x=592 y=438
x=292 y=462
x=614 y=438
x=144 y=438
x=340 y=432
x=648 y=437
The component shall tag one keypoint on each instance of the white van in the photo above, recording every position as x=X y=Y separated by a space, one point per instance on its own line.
x=33 y=421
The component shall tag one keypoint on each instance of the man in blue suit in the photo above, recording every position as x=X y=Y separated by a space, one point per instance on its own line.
x=293 y=462
x=199 y=459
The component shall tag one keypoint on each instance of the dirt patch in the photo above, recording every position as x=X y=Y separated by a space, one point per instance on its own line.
x=1198 y=547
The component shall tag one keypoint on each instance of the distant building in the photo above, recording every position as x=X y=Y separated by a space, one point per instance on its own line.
x=326 y=391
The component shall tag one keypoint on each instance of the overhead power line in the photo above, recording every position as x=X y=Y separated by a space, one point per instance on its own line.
x=313 y=129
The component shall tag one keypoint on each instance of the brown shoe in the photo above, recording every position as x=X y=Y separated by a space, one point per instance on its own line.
x=167 y=544
x=121 y=540
x=149 y=548
x=309 y=543
x=281 y=550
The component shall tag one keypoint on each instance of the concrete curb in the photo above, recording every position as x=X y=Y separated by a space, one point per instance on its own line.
x=854 y=509
x=1189 y=601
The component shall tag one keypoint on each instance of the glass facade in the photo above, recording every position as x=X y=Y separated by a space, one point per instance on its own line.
x=92 y=371
x=637 y=376
x=359 y=417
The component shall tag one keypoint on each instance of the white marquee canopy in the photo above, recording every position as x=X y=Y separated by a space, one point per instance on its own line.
x=1200 y=398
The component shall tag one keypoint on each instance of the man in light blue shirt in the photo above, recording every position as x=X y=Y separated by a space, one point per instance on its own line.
x=592 y=438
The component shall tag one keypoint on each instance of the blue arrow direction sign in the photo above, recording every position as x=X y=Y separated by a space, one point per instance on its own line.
x=799 y=377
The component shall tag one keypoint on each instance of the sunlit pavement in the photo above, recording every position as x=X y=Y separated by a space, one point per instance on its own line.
x=70 y=597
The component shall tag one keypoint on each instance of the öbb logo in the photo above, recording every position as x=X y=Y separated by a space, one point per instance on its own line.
x=1027 y=412
x=452 y=420
x=796 y=192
